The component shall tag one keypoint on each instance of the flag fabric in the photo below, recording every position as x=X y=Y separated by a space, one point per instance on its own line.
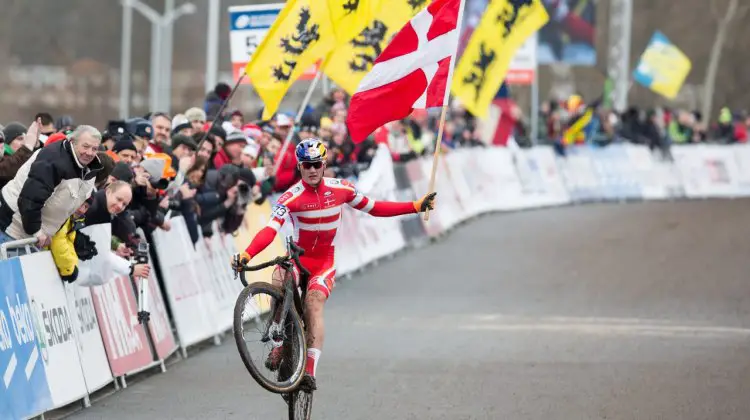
x=349 y=17
x=302 y=34
x=504 y=27
x=349 y=62
x=412 y=72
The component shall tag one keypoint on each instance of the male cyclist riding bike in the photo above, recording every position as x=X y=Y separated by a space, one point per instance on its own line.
x=313 y=207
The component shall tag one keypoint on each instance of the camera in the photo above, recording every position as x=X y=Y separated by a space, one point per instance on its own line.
x=140 y=254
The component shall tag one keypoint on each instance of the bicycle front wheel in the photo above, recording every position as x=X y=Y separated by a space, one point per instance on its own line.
x=252 y=318
x=300 y=405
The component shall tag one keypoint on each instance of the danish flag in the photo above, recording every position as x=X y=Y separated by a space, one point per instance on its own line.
x=412 y=72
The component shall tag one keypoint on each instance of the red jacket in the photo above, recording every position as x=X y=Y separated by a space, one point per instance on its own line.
x=221 y=159
x=287 y=175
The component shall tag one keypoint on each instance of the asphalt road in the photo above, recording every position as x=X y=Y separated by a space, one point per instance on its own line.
x=637 y=311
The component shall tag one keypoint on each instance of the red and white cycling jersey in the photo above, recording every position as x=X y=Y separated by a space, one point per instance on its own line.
x=315 y=215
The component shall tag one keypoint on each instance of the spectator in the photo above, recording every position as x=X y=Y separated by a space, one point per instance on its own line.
x=197 y=118
x=65 y=124
x=125 y=150
x=162 y=126
x=11 y=163
x=231 y=153
x=46 y=125
x=237 y=119
x=182 y=146
x=108 y=165
x=214 y=100
x=207 y=146
x=14 y=134
x=181 y=125
x=142 y=133
x=47 y=189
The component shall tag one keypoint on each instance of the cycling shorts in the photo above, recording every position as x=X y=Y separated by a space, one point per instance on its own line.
x=322 y=273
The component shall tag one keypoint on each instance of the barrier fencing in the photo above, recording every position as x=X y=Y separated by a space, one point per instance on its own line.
x=61 y=342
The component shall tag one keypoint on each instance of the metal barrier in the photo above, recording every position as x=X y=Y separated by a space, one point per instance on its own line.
x=21 y=243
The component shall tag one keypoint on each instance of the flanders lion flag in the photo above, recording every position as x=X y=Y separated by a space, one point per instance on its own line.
x=504 y=27
x=351 y=61
x=302 y=34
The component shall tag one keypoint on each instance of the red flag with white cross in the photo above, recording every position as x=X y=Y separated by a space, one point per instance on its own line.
x=412 y=72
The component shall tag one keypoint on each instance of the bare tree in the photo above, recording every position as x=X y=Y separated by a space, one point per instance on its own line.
x=722 y=29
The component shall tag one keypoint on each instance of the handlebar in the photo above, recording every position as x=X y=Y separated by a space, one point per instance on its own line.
x=294 y=253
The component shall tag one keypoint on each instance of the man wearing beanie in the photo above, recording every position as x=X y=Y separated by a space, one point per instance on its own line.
x=125 y=150
x=11 y=162
x=13 y=134
x=231 y=153
x=214 y=99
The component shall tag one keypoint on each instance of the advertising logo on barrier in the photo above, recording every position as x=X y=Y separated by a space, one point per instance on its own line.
x=124 y=338
x=49 y=309
x=24 y=390
x=94 y=361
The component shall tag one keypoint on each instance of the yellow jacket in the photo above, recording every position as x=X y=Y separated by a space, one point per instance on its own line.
x=63 y=250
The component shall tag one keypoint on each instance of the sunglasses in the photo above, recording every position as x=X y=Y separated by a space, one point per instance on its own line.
x=308 y=165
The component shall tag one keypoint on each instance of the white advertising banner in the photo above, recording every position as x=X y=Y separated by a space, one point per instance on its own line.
x=707 y=170
x=541 y=181
x=378 y=236
x=57 y=337
x=186 y=281
x=94 y=361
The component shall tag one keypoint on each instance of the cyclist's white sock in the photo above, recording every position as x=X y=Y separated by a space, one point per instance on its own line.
x=313 y=355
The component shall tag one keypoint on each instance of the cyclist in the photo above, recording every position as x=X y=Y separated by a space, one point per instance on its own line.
x=313 y=207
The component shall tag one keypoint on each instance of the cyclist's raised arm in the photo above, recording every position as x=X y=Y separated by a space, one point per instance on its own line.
x=265 y=236
x=361 y=202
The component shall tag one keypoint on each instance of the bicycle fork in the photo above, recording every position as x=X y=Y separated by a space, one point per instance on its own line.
x=279 y=318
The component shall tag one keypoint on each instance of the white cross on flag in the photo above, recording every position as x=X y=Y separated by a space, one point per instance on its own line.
x=412 y=72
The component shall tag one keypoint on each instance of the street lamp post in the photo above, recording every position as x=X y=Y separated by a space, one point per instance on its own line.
x=159 y=24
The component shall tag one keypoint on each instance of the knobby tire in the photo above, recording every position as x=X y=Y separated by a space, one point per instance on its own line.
x=295 y=335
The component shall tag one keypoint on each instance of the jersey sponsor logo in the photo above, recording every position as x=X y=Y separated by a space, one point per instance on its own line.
x=310 y=206
x=327 y=193
x=280 y=211
x=285 y=197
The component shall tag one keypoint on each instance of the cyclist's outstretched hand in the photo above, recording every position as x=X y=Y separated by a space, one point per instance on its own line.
x=426 y=202
x=239 y=260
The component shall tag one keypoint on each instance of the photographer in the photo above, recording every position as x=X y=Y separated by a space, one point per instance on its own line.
x=236 y=189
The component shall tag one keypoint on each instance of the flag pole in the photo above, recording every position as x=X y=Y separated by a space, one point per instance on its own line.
x=436 y=157
x=297 y=119
x=441 y=124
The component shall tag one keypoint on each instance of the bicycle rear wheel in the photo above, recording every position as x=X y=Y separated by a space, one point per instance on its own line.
x=300 y=405
x=252 y=316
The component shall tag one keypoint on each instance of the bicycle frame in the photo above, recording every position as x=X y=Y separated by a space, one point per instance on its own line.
x=291 y=294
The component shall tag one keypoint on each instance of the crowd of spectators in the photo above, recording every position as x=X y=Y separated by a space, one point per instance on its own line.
x=657 y=127
x=58 y=177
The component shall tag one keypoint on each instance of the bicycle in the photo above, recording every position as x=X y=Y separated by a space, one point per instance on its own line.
x=287 y=309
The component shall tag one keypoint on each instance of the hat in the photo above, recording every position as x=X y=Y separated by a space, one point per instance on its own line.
x=267 y=128
x=122 y=172
x=252 y=131
x=283 y=120
x=252 y=149
x=125 y=143
x=222 y=90
x=139 y=127
x=181 y=139
x=227 y=126
x=195 y=114
x=218 y=132
x=13 y=130
x=236 y=137
x=238 y=113
x=247 y=176
x=180 y=122
x=64 y=121
x=326 y=122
